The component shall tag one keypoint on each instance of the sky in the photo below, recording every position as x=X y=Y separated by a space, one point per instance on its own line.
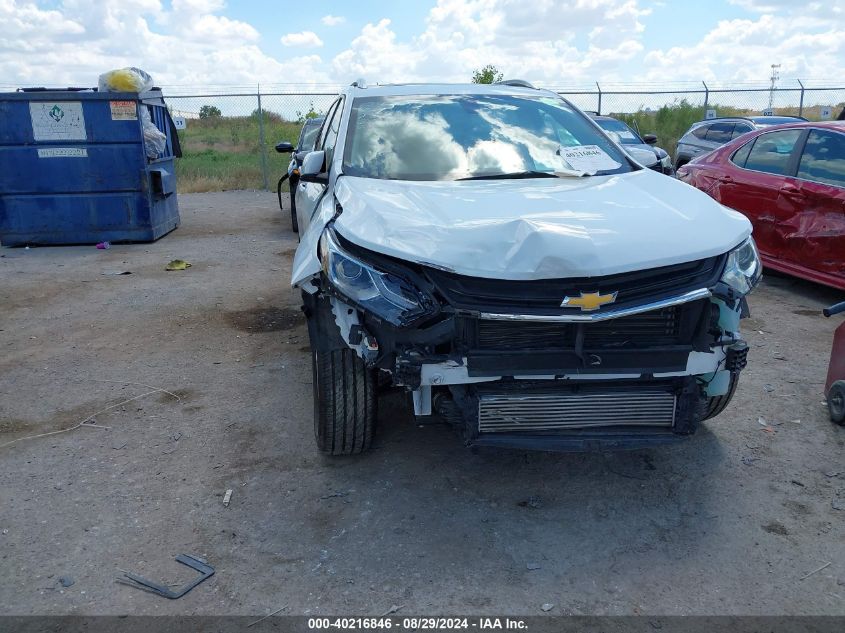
x=196 y=44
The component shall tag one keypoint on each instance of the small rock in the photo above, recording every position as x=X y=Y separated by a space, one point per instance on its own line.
x=531 y=502
x=547 y=606
x=533 y=566
x=66 y=581
x=797 y=483
x=768 y=388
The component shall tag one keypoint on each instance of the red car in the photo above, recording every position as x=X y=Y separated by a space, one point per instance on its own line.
x=789 y=180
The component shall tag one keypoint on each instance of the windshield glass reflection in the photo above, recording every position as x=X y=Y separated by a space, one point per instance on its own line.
x=447 y=137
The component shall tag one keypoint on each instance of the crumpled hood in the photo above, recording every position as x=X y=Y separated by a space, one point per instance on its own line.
x=538 y=228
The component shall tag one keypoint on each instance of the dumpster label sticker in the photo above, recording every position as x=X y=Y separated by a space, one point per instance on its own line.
x=62 y=152
x=57 y=120
x=123 y=111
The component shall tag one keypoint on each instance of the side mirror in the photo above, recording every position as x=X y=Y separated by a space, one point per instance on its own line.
x=284 y=147
x=314 y=168
x=300 y=156
x=650 y=139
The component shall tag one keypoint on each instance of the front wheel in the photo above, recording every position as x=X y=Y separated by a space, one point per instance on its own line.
x=836 y=402
x=344 y=402
x=294 y=224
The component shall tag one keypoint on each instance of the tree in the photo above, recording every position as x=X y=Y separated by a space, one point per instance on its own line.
x=209 y=111
x=311 y=114
x=487 y=75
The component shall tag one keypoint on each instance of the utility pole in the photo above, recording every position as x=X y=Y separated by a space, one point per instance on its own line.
x=775 y=77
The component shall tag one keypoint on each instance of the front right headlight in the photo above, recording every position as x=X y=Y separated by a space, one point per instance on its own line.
x=744 y=269
x=382 y=293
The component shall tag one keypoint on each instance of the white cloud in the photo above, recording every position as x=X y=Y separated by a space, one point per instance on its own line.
x=189 y=43
x=332 y=20
x=304 y=39
x=744 y=49
x=550 y=42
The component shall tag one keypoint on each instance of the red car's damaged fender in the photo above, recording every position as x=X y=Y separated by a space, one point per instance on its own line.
x=799 y=223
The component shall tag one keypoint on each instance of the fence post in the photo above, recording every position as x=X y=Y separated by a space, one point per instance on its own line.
x=598 y=110
x=801 y=102
x=706 y=96
x=261 y=143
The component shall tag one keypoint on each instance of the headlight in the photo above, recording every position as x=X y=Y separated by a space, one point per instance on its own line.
x=743 y=270
x=387 y=296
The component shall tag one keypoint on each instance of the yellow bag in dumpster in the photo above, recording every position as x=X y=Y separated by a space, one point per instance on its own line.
x=125 y=80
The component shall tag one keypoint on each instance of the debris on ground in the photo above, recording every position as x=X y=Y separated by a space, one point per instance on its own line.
x=815 y=571
x=392 y=610
x=533 y=566
x=104 y=246
x=269 y=615
x=66 y=581
x=547 y=606
x=331 y=495
x=205 y=571
x=118 y=272
x=227 y=498
x=532 y=502
x=178 y=264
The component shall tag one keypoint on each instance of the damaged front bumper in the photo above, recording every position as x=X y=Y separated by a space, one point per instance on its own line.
x=503 y=365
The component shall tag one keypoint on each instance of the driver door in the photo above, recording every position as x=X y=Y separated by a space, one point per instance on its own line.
x=309 y=194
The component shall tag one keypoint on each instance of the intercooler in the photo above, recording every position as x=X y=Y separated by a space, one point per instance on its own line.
x=549 y=411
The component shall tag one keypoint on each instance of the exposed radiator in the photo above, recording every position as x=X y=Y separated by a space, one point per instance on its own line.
x=550 y=411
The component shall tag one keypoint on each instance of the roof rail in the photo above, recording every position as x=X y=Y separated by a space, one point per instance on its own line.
x=518 y=83
x=359 y=83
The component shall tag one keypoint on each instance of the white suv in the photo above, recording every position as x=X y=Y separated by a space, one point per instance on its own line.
x=493 y=252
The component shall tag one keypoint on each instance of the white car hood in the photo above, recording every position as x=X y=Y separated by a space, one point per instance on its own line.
x=538 y=228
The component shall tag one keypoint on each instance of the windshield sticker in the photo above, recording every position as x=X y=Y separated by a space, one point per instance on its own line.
x=588 y=158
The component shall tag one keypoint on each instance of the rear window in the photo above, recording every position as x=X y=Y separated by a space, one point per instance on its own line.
x=771 y=152
x=720 y=132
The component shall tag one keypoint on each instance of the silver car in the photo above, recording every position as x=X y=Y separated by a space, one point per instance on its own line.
x=705 y=136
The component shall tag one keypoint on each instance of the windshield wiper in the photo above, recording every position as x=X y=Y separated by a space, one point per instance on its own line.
x=525 y=174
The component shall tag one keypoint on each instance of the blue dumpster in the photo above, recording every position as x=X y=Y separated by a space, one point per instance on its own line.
x=74 y=170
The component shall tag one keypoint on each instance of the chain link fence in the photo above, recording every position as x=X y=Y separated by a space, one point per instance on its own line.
x=228 y=141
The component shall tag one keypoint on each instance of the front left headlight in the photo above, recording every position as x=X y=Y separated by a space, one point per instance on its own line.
x=744 y=269
x=382 y=293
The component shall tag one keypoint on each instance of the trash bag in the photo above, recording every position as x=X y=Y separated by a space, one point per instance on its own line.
x=125 y=80
x=155 y=140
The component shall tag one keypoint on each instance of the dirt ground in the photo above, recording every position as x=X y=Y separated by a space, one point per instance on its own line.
x=731 y=522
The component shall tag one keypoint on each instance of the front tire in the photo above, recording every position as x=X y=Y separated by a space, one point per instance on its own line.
x=836 y=402
x=717 y=404
x=294 y=223
x=344 y=402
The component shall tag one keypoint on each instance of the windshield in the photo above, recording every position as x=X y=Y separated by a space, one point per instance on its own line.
x=627 y=136
x=309 y=135
x=449 y=137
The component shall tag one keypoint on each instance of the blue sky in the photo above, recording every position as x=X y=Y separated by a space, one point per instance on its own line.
x=201 y=43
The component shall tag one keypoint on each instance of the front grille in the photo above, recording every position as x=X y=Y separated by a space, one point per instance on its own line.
x=544 y=296
x=648 y=329
x=551 y=411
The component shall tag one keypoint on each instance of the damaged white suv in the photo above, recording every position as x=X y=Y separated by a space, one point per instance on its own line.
x=493 y=252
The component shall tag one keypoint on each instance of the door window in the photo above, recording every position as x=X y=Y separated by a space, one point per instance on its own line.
x=700 y=131
x=741 y=155
x=772 y=151
x=823 y=158
x=720 y=133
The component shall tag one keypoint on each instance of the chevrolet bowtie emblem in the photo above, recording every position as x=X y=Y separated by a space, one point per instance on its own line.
x=588 y=301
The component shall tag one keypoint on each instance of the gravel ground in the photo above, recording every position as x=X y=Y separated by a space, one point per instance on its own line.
x=730 y=522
